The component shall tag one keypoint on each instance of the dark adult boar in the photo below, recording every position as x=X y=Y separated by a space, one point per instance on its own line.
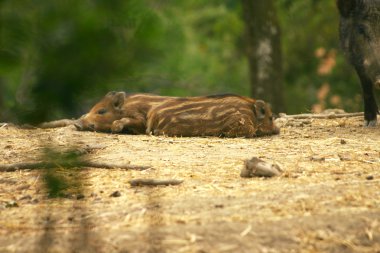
x=360 y=39
x=120 y=112
x=218 y=115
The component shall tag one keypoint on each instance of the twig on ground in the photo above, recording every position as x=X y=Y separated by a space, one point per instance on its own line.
x=57 y=123
x=45 y=165
x=321 y=116
x=154 y=182
x=44 y=125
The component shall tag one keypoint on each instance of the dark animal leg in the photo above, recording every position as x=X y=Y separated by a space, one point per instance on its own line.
x=370 y=106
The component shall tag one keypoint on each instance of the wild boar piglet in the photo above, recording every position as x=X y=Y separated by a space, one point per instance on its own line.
x=217 y=115
x=120 y=112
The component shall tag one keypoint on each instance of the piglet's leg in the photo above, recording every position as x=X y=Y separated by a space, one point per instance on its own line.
x=239 y=126
x=134 y=126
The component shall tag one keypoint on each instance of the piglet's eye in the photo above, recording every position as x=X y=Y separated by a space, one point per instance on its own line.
x=102 y=111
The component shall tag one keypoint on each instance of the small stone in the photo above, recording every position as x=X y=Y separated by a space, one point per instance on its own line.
x=370 y=177
x=256 y=167
x=66 y=195
x=342 y=141
x=321 y=235
x=180 y=221
x=11 y=204
x=219 y=206
x=80 y=196
x=115 y=194
x=345 y=157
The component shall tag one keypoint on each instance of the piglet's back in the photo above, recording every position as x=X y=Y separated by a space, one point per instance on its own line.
x=217 y=115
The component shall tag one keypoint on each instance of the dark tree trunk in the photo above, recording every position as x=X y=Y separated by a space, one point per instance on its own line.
x=263 y=37
x=2 y=106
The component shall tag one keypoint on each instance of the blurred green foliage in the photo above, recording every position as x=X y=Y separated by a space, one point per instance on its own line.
x=65 y=178
x=59 y=57
x=310 y=28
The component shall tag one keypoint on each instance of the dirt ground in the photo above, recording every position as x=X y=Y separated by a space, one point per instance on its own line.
x=327 y=199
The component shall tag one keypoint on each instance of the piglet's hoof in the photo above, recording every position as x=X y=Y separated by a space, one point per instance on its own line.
x=117 y=126
x=256 y=167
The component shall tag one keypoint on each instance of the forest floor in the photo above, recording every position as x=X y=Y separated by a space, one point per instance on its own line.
x=327 y=199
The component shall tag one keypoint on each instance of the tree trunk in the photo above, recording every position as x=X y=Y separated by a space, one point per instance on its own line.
x=263 y=38
x=2 y=105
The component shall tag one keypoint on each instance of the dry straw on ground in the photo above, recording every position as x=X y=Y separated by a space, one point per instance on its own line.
x=327 y=199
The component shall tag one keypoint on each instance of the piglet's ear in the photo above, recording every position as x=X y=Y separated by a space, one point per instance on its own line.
x=118 y=100
x=111 y=94
x=260 y=109
x=347 y=7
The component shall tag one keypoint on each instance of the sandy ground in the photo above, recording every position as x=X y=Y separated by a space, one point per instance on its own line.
x=327 y=199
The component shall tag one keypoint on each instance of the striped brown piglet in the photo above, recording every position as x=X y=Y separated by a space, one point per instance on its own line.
x=120 y=112
x=225 y=115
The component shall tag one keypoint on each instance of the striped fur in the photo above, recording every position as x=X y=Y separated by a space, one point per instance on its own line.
x=120 y=112
x=225 y=115
x=218 y=115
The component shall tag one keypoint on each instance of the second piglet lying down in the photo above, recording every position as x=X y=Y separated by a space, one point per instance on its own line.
x=218 y=115
x=120 y=112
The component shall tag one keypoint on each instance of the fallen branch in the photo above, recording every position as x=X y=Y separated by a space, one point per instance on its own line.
x=57 y=123
x=321 y=116
x=154 y=182
x=50 y=124
x=46 y=165
x=5 y=124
